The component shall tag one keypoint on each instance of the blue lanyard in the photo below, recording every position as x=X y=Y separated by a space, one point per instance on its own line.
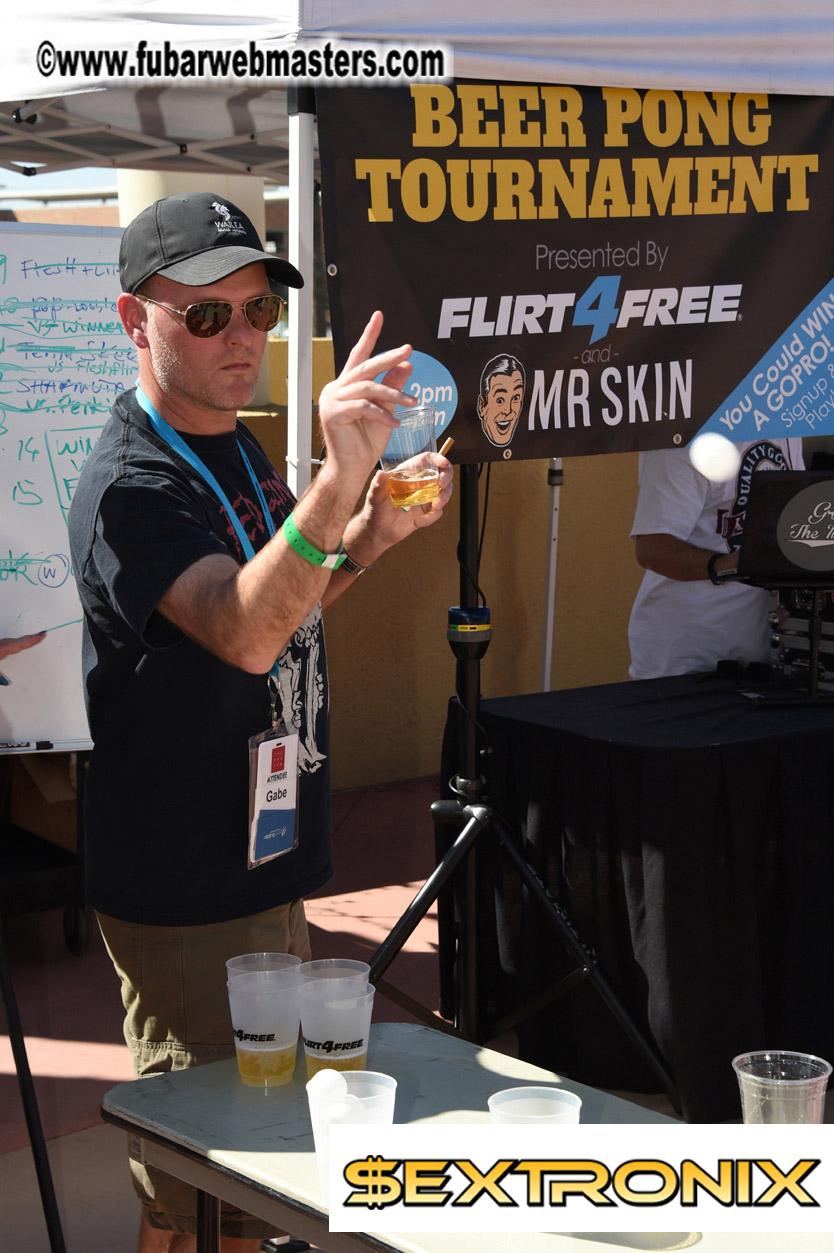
x=165 y=431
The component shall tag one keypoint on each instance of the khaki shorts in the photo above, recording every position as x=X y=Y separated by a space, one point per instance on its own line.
x=177 y=1016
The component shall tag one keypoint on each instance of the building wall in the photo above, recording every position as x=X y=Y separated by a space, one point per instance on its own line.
x=66 y=215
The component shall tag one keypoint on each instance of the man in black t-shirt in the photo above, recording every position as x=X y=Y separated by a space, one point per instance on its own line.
x=199 y=575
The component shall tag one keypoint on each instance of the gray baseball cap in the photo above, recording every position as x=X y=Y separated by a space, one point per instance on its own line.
x=195 y=238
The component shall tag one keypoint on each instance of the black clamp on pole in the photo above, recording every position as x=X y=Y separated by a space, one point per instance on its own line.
x=469 y=632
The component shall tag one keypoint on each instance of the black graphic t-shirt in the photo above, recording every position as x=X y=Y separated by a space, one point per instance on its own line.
x=166 y=806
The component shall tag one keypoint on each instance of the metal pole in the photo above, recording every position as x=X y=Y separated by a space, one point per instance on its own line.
x=301 y=109
x=555 y=479
x=469 y=668
x=469 y=1014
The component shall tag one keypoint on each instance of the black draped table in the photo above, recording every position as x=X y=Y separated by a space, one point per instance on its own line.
x=688 y=831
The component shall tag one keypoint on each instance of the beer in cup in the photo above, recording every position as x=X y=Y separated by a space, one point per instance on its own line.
x=411 y=476
x=264 y=1009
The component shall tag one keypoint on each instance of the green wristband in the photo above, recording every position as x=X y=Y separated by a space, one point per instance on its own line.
x=328 y=561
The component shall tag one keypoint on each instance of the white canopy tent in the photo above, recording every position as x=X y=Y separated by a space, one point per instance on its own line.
x=54 y=119
x=93 y=116
x=717 y=45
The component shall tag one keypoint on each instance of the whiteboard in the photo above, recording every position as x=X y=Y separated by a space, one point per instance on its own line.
x=64 y=357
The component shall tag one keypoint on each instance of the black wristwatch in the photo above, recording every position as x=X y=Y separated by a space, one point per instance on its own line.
x=353 y=567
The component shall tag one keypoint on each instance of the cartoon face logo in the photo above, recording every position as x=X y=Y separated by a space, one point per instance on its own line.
x=501 y=398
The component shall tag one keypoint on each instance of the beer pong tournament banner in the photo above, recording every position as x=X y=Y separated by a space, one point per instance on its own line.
x=588 y=270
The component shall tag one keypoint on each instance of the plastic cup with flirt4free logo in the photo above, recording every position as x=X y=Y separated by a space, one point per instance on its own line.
x=264 y=1009
x=335 y=1023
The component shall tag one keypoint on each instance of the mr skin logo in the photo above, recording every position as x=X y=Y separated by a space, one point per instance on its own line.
x=545 y=313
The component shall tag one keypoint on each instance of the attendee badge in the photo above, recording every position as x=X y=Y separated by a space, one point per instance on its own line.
x=273 y=792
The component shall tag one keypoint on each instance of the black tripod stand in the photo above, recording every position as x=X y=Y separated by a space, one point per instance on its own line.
x=458 y=823
x=30 y=1106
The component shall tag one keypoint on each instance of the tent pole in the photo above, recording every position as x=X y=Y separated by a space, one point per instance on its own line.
x=301 y=110
x=555 y=478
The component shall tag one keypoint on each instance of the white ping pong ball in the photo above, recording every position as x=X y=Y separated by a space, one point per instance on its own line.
x=328 y=1085
x=714 y=456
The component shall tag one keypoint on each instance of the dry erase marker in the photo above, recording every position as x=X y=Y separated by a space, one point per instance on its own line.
x=26 y=746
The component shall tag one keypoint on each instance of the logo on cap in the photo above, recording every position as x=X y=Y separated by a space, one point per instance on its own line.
x=227 y=223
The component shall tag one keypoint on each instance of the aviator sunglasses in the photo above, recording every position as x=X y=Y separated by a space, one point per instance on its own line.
x=210 y=317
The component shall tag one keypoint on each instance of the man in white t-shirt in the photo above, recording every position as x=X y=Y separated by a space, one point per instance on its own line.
x=686 y=530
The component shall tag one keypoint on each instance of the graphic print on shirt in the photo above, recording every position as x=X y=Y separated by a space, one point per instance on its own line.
x=280 y=502
x=762 y=455
x=301 y=685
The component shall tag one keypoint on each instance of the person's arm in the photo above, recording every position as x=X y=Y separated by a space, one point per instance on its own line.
x=676 y=559
x=246 y=614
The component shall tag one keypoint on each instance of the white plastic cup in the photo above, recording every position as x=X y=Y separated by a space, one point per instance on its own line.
x=534 y=1105
x=777 y=1086
x=264 y=1009
x=411 y=474
x=353 y=1096
x=336 y=968
x=246 y=963
x=335 y=1023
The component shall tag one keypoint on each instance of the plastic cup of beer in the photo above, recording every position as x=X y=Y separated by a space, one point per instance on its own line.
x=264 y=1009
x=364 y=1096
x=411 y=476
x=246 y=963
x=534 y=1105
x=336 y=968
x=335 y=1023
x=781 y=1087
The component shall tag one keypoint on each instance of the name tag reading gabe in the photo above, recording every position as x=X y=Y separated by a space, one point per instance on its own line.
x=273 y=791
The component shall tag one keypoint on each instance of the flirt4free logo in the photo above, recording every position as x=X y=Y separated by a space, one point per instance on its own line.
x=598 y=307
